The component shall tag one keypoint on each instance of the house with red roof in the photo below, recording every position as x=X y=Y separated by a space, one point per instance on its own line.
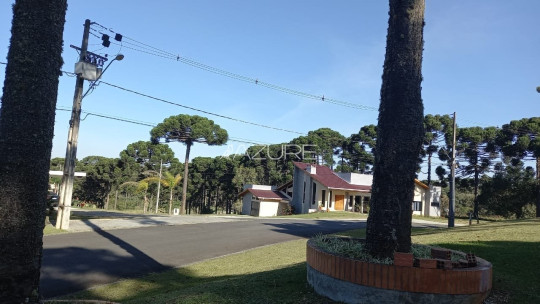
x=317 y=187
x=262 y=200
x=427 y=200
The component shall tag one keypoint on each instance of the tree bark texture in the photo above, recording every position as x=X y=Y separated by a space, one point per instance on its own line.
x=26 y=132
x=400 y=132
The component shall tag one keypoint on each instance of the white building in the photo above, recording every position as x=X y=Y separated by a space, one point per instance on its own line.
x=261 y=200
x=318 y=188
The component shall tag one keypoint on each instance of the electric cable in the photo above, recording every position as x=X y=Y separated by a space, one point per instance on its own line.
x=150 y=50
x=199 y=110
x=132 y=121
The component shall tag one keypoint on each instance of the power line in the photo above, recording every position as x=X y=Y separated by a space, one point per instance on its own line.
x=109 y=117
x=150 y=50
x=199 y=110
x=132 y=121
x=157 y=52
x=137 y=122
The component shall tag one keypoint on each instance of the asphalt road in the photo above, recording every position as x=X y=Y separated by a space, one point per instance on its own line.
x=77 y=261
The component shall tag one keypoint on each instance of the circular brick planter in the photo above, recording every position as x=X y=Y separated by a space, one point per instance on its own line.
x=350 y=281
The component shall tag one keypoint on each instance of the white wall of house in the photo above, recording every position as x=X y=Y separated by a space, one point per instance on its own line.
x=246 y=203
x=419 y=200
x=300 y=198
x=267 y=208
x=254 y=207
x=433 y=202
x=314 y=200
x=427 y=201
x=258 y=187
x=356 y=178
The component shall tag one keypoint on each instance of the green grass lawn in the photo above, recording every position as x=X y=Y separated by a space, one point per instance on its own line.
x=511 y=246
x=50 y=229
x=457 y=221
x=277 y=273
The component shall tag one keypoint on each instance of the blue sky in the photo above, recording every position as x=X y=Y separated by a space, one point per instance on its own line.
x=481 y=60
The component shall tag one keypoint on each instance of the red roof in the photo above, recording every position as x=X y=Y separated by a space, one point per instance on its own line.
x=419 y=183
x=329 y=179
x=265 y=194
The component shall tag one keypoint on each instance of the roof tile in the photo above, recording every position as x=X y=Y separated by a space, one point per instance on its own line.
x=329 y=179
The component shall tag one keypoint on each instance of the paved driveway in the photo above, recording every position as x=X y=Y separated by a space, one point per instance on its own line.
x=132 y=245
x=76 y=261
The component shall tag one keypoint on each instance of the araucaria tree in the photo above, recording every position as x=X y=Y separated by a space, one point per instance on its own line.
x=400 y=132
x=26 y=131
x=189 y=130
x=520 y=140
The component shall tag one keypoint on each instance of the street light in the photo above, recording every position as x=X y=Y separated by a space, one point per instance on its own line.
x=66 y=190
x=538 y=89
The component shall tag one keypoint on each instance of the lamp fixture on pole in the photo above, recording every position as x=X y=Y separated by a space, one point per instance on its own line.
x=66 y=189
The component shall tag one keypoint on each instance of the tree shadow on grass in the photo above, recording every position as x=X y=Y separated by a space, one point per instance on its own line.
x=284 y=285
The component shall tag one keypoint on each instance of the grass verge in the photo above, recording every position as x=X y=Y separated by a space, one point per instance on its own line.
x=511 y=246
x=271 y=274
x=277 y=273
x=50 y=229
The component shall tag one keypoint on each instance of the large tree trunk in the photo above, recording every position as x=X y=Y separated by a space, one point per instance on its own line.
x=26 y=131
x=400 y=132
x=184 y=184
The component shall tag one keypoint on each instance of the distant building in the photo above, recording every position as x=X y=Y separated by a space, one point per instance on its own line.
x=261 y=200
x=318 y=188
x=427 y=200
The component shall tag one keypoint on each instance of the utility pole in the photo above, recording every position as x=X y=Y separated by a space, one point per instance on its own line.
x=452 y=203
x=66 y=190
x=159 y=184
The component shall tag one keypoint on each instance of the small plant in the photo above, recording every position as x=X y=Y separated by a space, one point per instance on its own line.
x=349 y=248
x=421 y=251
x=354 y=249
x=289 y=210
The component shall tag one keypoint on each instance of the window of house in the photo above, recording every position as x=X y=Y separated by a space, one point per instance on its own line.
x=367 y=199
x=304 y=195
x=323 y=197
x=417 y=206
x=350 y=201
x=314 y=194
x=330 y=200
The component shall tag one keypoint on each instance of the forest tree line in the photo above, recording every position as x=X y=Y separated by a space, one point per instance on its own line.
x=494 y=175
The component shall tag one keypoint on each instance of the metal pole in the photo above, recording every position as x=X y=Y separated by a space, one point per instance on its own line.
x=452 y=203
x=66 y=190
x=159 y=184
